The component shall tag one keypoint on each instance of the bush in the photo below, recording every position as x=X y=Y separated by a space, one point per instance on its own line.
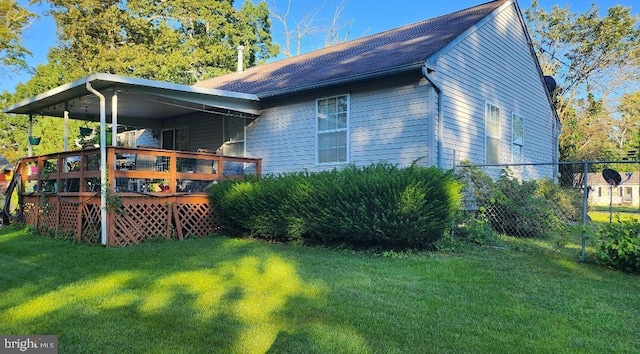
x=520 y=208
x=379 y=206
x=475 y=230
x=620 y=245
x=257 y=207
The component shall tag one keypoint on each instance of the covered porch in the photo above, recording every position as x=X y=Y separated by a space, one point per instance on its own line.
x=121 y=195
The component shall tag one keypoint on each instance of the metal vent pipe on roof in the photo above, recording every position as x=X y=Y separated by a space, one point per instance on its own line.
x=240 y=58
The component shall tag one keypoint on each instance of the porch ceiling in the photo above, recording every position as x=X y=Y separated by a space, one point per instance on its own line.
x=140 y=102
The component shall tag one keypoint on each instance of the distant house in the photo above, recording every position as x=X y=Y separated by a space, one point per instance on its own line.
x=5 y=173
x=602 y=193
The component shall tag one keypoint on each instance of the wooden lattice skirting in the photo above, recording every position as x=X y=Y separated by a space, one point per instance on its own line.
x=138 y=218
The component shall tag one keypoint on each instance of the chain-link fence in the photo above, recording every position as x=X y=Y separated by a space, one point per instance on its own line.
x=537 y=200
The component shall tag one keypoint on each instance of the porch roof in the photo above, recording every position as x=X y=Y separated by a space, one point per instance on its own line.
x=141 y=102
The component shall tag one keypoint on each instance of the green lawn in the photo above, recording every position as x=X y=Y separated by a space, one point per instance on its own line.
x=602 y=217
x=243 y=296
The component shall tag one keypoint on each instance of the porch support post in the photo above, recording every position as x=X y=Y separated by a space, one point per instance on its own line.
x=30 y=151
x=65 y=136
x=104 y=187
x=114 y=118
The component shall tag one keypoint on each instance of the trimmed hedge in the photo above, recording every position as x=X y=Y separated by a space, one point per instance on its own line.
x=377 y=206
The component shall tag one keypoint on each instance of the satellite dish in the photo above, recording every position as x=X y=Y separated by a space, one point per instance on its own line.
x=611 y=176
x=550 y=82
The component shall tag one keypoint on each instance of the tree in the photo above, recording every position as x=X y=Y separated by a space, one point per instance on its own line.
x=15 y=19
x=308 y=26
x=586 y=132
x=627 y=127
x=181 y=41
x=589 y=56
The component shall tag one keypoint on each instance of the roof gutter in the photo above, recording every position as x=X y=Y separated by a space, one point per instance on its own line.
x=103 y=163
x=436 y=142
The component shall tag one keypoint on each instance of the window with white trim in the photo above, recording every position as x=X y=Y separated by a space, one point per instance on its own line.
x=517 y=138
x=332 y=122
x=233 y=135
x=128 y=138
x=492 y=127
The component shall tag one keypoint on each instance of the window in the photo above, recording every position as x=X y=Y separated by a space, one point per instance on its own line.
x=128 y=138
x=176 y=139
x=233 y=135
x=628 y=192
x=332 y=119
x=517 y=138
x=492 y=121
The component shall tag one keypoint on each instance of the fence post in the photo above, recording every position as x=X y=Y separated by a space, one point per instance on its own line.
x=585 y=199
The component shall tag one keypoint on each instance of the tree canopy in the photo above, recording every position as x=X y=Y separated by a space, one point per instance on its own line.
x=593 y=58
x=14 y=21
x=179 y=41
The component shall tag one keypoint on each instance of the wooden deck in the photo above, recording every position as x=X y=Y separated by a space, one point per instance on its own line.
x=153 y=193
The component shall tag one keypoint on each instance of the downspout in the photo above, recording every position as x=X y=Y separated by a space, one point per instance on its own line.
x=438 y=138
x=65 y=134
x=103 y=164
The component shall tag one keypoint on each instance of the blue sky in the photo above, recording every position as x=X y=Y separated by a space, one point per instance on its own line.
x=368 y=17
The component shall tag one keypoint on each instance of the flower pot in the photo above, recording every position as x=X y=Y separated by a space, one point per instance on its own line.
x=34 y=140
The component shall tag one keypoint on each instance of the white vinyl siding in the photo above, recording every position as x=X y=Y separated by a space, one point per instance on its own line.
x=492 y=128
x=332 y=123
x=517 y=138
x=389 y=121
x=494 y=63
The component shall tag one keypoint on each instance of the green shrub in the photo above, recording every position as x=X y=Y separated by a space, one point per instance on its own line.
x=520 y=208
x=475 y=229
x=379 y=206
x=257 y=207
x=620 y=245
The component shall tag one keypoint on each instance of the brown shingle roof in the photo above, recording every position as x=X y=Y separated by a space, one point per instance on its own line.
x=393 y=51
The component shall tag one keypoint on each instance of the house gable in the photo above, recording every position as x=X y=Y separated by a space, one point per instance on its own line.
x=493 y=64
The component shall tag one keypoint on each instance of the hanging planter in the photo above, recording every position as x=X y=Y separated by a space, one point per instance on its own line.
x=85 y=132
x=34 y=140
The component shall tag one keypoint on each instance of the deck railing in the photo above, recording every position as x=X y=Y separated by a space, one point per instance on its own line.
x=153 y=193
x=140 y=170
